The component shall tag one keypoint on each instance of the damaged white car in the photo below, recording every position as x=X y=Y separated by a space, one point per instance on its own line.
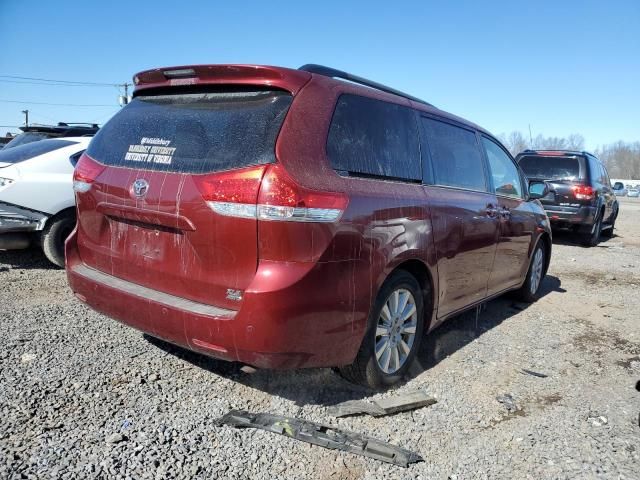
x=37 y=203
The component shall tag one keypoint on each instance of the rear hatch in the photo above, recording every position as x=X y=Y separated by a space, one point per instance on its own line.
x=566 y=175
x=156 y=167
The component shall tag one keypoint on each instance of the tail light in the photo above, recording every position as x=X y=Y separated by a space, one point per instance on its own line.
x=233 y=194
x=269 y=193
x=85 y=173
x=282 y=199
x=583 y=192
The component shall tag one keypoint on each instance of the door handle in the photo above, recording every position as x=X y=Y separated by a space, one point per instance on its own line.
x=505 y=212
x=491 y=211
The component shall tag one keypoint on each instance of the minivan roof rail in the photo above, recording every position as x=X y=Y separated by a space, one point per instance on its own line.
x=334 y=73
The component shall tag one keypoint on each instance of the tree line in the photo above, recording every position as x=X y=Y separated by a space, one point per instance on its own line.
x=621 y=158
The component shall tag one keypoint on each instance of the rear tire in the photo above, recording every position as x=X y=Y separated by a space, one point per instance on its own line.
x=608 y=232
x=55 y=233
x=530 y=290
x=592 y=238
x=394 y=333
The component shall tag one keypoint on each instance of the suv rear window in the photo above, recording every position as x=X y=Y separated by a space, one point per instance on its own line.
x=550 y=168
x=193 y=133
x=32 y=149
x=25 y=138
x=369 y=137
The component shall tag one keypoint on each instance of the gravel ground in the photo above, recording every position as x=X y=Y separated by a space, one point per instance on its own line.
x=82 y=396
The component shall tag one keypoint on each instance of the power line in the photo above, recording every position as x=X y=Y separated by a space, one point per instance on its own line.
x=47 y=84
x=59 y=104
x=63 y=82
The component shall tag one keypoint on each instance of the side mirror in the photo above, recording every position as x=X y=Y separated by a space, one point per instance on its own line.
x=538 y=189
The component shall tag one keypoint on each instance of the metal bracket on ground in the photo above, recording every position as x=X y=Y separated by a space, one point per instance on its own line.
x=321 y=435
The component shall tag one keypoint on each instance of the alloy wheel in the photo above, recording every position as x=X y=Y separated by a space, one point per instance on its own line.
x=536 y=270
x=396 y=330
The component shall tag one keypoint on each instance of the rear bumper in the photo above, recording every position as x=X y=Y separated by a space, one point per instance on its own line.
x=570 y=216
x=291 y=325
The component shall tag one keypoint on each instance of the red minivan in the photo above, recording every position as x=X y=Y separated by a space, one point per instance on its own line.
x=298 y=218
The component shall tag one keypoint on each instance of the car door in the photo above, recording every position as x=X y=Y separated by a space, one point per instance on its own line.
x=516 y=220
x=607 y=193
x=463 y=213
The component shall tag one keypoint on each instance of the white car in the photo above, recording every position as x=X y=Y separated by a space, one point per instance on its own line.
x=37 y=202
x=633 y=192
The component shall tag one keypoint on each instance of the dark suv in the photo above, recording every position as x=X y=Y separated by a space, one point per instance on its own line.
x=580 y=195
x=288 y=218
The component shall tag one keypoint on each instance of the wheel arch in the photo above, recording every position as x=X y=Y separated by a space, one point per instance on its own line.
x=57 y=215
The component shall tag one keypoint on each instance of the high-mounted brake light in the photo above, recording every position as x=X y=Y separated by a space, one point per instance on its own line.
x=179 y=73
x=235 y=194
x=583 y=192
x=85 y=173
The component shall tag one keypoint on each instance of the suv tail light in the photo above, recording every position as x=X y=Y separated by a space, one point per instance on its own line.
x=269 y=193
x=85 y=173
x=583 y=192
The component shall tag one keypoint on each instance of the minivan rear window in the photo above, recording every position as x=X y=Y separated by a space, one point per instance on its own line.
x=33 y=149
x=194 y=132
x=369 y=137
x=550 y=168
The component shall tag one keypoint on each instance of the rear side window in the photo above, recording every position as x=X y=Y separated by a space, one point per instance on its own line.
x=32 y=149
x=550 y=168
x=455 y=156
x=193 y=133
x=369 y=137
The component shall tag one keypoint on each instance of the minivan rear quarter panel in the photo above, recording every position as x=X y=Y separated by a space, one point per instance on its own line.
x=386 y=222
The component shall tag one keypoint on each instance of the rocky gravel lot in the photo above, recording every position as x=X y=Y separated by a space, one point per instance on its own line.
x=82 y=396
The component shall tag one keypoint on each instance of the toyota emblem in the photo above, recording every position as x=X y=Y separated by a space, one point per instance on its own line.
x=140 y=187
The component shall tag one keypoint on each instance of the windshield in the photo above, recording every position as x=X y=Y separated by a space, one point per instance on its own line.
x=193 y=133
x=551 y=168
x=25 y=138
x=30 y=150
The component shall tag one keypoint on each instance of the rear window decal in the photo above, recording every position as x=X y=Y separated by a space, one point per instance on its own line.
x=151 y=150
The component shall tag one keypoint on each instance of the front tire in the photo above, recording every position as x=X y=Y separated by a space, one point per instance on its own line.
x=54 y=235
x=530 y=290
x=393 y=336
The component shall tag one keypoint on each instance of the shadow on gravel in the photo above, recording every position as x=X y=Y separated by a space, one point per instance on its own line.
x=317 y=386
x=321 y=386
x=572 y=239
x=28 y=259
x=459 y=331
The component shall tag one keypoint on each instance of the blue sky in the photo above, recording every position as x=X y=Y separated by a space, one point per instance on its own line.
x=562 y=67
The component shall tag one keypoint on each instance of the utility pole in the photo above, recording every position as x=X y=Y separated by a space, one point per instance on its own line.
x=26 y=117
x=124 y=99
x=530 y=137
